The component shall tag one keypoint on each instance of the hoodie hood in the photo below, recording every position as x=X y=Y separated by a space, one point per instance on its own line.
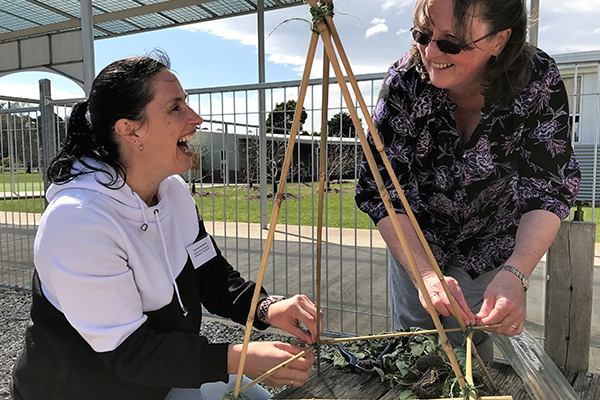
x=97 y=182
x=126 y=203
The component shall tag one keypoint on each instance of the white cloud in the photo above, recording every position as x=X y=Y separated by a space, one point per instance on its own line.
x=402 y=31
x=287 y=59
x=379 y=27
x=401 y=4
x=227 y=30
x=32 y=91
x=571 y=6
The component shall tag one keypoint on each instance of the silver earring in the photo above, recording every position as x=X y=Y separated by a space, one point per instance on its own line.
x=141 y=147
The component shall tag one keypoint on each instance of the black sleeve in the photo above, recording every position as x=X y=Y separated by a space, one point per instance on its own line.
x=175 y=359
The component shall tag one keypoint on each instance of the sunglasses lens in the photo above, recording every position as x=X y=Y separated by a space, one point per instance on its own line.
x=421 y=38
x=444 y=45
x=448 y=47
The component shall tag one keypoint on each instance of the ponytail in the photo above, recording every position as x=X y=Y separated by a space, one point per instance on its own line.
x=82 y=142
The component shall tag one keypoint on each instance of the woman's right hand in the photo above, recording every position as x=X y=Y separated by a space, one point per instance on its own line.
x=263 y=356
x=440 y=300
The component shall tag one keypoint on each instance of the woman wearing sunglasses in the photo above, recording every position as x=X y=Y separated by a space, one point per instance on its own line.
x=475 y=124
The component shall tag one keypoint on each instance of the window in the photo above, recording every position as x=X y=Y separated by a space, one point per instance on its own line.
x=574 y=103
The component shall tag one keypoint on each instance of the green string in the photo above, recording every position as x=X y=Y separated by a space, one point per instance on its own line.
x=318 y=13
x=469 y=329
x=467 y=390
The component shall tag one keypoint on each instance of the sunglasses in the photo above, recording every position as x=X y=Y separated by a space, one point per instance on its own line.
x=446 y=46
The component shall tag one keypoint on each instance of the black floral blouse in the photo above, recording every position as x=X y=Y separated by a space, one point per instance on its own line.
x=469 y=199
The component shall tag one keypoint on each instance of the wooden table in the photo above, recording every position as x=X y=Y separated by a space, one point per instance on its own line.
x=333 y=383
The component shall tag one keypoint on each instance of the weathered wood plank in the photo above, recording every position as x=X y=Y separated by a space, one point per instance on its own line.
x=569 y=295
x=586 y=385
x=333 y=383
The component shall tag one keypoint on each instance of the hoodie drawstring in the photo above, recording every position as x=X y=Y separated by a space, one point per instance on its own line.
x=162 y=236
x=183 y=308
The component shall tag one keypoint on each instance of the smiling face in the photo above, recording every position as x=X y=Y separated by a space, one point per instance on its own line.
x=168 y=125
x=460 y=74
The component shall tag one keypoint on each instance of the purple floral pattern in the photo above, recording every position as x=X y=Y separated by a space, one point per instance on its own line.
x=469 y=199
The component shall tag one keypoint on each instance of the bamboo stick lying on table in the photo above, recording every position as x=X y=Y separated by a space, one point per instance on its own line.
x=395 y=334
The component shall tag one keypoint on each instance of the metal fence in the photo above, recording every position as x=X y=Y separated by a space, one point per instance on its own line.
x=233 y=194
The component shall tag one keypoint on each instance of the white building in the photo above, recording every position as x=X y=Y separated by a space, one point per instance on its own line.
x=581 y=74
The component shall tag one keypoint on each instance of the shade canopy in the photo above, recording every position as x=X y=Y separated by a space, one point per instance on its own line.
x=22 y=19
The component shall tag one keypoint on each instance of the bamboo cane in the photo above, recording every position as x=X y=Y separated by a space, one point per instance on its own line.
x=400 y=192
x=322 y=172
x=324 y=32
x=276 y=206
x=469 y=367
x=277 y=368
x=396 y=334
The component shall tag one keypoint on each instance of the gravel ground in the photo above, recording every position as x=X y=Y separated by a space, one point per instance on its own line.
x=14 y=314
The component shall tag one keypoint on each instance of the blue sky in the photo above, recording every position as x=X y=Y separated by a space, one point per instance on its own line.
x=374 y=33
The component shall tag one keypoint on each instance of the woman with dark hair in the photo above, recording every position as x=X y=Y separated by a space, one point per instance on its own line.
x=124 y=265
x=475 y=123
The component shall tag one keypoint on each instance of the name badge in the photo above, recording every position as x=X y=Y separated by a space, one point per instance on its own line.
x=202 y=251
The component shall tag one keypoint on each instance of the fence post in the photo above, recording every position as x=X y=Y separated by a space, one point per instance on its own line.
x=569 y=289
x=47 y=128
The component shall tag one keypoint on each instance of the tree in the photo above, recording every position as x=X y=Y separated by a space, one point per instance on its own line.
x=281 y=118
x=195 y=173
x=345 y=125
x=342 y=159
x=275 y=157
x=19 y=132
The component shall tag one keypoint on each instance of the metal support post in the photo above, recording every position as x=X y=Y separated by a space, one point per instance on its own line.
x=87 y=42
x=262 y=124
x=47 y=128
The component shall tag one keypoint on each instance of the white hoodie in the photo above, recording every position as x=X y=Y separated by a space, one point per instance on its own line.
x=113 y=278
x=94 y=256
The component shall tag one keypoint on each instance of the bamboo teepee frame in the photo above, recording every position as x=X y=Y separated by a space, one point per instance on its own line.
x=325 y=28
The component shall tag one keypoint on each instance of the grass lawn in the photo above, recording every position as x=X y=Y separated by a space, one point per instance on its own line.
x=23 y=182
x=299 y=208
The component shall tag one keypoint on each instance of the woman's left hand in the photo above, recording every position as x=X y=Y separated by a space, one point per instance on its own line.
x=287 y=315
x=503 y=303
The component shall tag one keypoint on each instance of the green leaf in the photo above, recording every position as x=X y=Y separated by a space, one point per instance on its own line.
x=431 y=347
x=402 y=367
x=339 y=360
x=416 y=349
x=231 y=396
x=406 y=395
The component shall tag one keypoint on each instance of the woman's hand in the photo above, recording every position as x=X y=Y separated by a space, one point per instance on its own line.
x=287 y=315
x=504 y=303
x=440 y=300
x=263 y=356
